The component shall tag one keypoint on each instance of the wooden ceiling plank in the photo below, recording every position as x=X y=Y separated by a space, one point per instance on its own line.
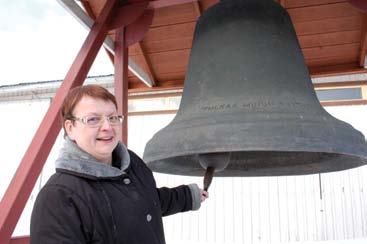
x=336 y=70
x=179 y=75
x=330 y=11
x=331 y=51
x=322 y=63
x=73 y=8
x=170 y=32
x=167 y=3
x=328 y=26
x=329 y=39
x=322 y=26
x=174 y=15
x=305 y=3
x=168 y=45
x=168 y=38
x=164 y=62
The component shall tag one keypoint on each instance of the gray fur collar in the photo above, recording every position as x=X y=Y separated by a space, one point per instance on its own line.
x=72 y=158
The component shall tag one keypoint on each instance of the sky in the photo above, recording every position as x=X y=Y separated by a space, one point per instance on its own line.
x=39 y=41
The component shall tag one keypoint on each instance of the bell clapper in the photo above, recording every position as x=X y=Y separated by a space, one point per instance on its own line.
x=208 y=176
x=213 y=162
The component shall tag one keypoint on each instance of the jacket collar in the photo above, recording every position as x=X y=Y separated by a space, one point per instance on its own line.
x=74 y=160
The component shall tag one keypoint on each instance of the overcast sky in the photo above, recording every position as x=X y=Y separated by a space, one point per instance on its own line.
x=39 y=40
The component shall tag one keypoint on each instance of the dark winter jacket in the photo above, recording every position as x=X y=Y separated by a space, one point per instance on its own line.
x=86 y=201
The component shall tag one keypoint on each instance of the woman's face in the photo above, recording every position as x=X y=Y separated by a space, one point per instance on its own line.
x=101 y=140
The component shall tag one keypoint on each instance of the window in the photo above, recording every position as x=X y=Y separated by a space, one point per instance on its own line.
x=339 y=94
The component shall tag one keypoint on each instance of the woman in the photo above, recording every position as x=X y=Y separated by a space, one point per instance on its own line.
x=101 y=191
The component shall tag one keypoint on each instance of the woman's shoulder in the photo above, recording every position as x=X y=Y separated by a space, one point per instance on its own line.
x=64 y=182
x=136 y=160
x=62 y=186
x=138 y=164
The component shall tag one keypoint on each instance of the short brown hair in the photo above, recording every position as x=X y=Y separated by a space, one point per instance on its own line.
x=77 y=93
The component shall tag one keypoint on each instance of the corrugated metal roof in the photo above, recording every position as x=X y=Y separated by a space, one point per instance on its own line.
x=44 y=89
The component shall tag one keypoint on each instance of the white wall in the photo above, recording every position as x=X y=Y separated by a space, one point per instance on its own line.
x=239 y=210
x=18 y=124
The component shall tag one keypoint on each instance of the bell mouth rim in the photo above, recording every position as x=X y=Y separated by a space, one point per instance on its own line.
x=276 y=164
x=354 y=151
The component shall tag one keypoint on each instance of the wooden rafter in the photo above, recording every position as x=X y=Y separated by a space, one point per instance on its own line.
x=147 y=63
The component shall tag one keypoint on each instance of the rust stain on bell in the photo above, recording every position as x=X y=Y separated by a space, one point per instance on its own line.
x=248 y=106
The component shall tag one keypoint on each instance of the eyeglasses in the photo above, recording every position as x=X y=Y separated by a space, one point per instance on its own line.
x=97 y=121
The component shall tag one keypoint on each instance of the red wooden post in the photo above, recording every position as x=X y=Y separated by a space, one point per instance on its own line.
x=121 y=75
x=127 y=34
x=31 y=165
x=19 y=240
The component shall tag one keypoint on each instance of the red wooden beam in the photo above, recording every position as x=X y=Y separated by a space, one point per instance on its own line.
x=19 y=240
x=127 y=33
x=363 y=48
x=88 y=9
x=121 y=78
x=31 y=165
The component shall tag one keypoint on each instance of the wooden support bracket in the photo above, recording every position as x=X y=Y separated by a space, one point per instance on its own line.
x=136 y=31
x=127 y=14
x=359 y=4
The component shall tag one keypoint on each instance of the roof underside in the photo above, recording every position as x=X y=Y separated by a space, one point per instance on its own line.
x=332 y=35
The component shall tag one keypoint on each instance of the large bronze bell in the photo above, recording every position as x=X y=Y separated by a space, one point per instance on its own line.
x=248 y=106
